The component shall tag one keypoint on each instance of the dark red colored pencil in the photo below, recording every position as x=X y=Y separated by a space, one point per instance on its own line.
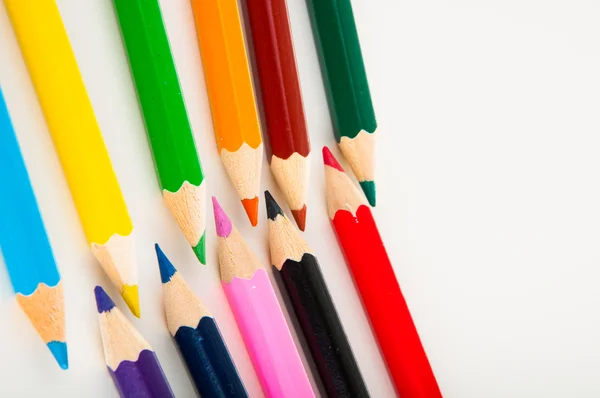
x=376 y=282
x=288 y=145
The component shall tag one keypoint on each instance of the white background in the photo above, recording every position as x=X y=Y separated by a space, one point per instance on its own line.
x=488 y=194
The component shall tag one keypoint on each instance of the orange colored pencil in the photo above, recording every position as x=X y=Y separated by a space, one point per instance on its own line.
x=288 y=143
x=231 y=95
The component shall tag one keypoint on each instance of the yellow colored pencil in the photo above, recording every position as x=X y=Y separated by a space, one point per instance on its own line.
x=78 y=140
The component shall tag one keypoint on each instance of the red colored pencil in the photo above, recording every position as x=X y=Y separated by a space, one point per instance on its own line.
x=377 y=284
x=288 y=145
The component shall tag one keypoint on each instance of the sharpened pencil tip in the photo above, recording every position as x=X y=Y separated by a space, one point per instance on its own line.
x=132 y=299
x=273 y=208
x=167 y=270
x=222 y=222
x=300 y=217
x=368 y=188
x=103 y=302
x=60 y=353
x=251 y=207
x=200 y=249
x=330 y=160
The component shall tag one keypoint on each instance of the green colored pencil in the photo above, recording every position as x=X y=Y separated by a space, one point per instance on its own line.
x=167 y=124
x=347 y=87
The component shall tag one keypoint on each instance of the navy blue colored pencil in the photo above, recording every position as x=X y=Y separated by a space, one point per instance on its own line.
x=198 y=337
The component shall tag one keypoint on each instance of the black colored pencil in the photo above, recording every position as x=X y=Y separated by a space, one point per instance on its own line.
x=313 y=306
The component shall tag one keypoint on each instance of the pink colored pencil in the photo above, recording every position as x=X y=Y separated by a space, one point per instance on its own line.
x=258 y=315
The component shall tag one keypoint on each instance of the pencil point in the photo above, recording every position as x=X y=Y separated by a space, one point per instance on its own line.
x=273 y=208
x=103 y=302
x=200 y=249
x=330 y=160
x=222 y=222
x=132 y=299
x=167 y=270
x=368 y=188
x=300 y=217
x=60 y=353
x=251 y=207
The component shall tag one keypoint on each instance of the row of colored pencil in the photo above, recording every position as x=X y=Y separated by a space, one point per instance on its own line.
x=109 y=229
x=260 y=318
x=82 y=152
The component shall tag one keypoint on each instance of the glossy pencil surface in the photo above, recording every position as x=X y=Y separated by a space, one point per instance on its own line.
x=131 y=361
x=258 y=315
x=25 y=247
x=231 y=95
x=167 y=124
x=289 y=144
x=78 y=140
x=376 y=282
x=301 y=275
x=198 y=337
x=346 y=86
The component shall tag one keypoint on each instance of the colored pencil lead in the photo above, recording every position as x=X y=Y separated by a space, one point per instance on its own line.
x=273 y=208
x=103 y=302
x=167 y=270
x=330 y=160
x=222 y=222
x=251 y=207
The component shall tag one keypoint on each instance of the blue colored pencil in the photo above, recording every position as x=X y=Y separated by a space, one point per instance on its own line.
x=129 y=358
x=198 y=337
x=25 y=247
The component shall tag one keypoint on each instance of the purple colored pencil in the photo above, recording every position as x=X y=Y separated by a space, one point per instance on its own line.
x=131 y=361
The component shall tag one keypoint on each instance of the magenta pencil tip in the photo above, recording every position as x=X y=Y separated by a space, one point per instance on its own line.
x=330 y=160
x=222 y=222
